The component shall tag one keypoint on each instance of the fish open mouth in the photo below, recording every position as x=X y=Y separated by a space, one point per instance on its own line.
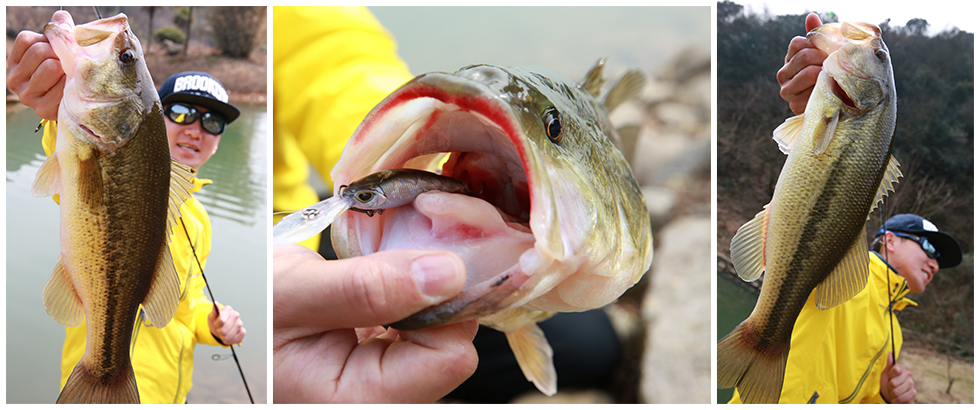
x=467 y=135
x=841 y=94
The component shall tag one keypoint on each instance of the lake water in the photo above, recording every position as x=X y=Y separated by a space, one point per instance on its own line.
x=236 y=269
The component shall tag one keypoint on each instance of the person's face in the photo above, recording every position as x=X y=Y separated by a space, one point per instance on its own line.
x=911 y=262
x=189 y=143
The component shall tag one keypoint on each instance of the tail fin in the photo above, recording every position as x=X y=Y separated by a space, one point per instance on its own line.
x=756 y=370
x=84 y=387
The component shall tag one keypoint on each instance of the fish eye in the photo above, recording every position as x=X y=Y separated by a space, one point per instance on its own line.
x=881 y=54
x=365 y=196
x=552 y=124
x=127 y=57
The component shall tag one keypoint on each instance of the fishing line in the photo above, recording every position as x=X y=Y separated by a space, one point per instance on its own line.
x=201 y=268
x=888 y=276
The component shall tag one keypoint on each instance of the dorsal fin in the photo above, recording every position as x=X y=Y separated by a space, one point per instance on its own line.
x=627 y=88
x=593 y=80
x=888 y=182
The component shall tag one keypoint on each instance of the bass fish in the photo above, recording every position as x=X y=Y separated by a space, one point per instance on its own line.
x=811 y=236
x=112 y=170
x=557 y=222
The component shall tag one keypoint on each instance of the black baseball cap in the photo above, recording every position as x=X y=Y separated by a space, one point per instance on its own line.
x=198 y=88
x=950 y=253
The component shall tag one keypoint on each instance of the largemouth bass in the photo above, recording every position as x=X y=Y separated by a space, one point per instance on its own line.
x=811 y=236
x=112 y=170
x=557 y=222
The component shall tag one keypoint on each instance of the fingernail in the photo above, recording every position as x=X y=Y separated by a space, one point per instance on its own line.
x=435 y=275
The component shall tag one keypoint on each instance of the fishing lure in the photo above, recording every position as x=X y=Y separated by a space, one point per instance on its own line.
x=370 y=195
x=396 y=187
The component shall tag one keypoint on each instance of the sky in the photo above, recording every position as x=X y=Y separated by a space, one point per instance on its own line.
x=940 y=14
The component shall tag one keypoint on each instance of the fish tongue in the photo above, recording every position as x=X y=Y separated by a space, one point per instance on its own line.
x=470 y=227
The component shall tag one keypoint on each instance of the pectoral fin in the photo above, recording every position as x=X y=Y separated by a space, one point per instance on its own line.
x=825 y=132
x=534 y=355
x=848 y=278
x=47 y=181
x=60 y=299
x=749 y=247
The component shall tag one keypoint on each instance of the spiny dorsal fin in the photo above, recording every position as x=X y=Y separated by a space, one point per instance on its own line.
x=593 y=80
x=534 y=356
x=848 y=278
x=888 y=181
x=749 y=247
x=628 y=88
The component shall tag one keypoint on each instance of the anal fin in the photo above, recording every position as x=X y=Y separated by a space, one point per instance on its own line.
x=534 y=355
x=749 y=247
x=60 y=299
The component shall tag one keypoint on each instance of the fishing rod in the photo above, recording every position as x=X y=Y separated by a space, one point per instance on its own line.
x=215 y=304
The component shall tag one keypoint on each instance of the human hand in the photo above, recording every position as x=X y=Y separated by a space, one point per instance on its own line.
x=35 y=73
x=897 y=386
x=328 y=342
x=226 y=325
x=800 y=69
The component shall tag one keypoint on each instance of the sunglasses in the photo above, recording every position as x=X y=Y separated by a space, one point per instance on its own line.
x=927 y=247
x=184 y=114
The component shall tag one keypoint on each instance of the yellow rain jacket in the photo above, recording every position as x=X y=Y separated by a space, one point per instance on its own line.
x=837 y=355
x=331 y=66
x=163 y=359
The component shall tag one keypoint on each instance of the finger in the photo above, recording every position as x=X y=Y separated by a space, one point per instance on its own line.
x=795 y=45
x=37 y=64
x=25 y=39
x=377 y=289
x=804 y=59
x=444 y=354
x=812 y=21
x=231 y=324
x=235 y=333
x=63 y=18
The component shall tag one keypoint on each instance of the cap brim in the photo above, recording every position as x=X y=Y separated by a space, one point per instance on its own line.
x=230 y=112
x=950 y=253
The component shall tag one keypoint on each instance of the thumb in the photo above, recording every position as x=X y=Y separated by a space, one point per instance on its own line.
x=371 y=290
x=812 y=21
